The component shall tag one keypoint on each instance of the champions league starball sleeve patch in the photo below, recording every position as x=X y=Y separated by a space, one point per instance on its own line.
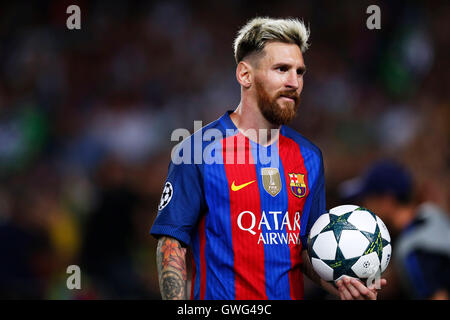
x=166 y=196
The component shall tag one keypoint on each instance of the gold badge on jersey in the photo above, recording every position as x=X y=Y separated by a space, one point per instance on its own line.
x=271 y=180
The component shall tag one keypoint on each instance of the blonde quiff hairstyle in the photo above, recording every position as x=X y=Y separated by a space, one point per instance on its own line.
x=254 y=35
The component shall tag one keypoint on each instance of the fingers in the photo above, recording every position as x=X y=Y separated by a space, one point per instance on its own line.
x=363 y=290
x=344 y=292
x=339 y=286
x=342 y=295
x=351 y=289
x=355 y=292
x=378 y=285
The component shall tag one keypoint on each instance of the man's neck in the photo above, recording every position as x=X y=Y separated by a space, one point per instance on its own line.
x=250 y=122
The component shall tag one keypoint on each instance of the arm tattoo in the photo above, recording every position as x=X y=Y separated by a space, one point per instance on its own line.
x=171 y=262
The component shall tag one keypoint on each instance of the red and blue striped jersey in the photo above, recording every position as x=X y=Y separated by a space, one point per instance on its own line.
x=244 y=209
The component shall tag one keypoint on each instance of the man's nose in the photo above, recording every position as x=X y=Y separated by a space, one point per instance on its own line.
x=293 y=80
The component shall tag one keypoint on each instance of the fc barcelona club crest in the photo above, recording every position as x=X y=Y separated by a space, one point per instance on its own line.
x=297 y=184
x=271 y=180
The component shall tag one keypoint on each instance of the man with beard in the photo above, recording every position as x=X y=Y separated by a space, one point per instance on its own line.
x=245 y=217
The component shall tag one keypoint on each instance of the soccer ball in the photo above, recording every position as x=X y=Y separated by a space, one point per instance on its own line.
x=349 y=241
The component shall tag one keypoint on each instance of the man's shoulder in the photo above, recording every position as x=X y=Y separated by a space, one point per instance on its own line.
x=190 y=149
x=213 y=128
x=301 y=140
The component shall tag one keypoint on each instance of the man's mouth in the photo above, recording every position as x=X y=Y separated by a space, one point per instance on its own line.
x=289 y=98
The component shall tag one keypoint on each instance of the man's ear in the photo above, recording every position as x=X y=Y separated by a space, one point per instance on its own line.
x=244 y=74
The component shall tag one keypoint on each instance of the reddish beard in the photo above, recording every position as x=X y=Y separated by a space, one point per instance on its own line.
x=270 y=107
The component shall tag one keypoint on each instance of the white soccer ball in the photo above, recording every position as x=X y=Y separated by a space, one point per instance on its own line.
x=349 y=241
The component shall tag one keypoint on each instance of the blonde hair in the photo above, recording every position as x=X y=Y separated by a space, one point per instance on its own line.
x=254 y=35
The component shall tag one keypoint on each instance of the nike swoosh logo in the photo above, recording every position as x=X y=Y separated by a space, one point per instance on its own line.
x=239 y=187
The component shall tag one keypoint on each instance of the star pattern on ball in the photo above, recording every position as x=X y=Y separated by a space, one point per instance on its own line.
x=340 y=265
x=338 y=224
x=377 y=241
x=364 y=247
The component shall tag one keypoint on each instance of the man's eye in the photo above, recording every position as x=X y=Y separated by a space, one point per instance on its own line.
x=282 y=69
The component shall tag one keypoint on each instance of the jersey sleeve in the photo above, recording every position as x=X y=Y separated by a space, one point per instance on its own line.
x=181 y=204
x=318 y=205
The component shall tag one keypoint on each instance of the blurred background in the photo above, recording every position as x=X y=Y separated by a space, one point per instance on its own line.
x=86 y=117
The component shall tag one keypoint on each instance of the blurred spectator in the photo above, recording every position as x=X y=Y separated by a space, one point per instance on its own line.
x=110 y=237
x=420 y=231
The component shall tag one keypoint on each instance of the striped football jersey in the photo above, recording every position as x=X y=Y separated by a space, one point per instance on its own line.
x=244 y=209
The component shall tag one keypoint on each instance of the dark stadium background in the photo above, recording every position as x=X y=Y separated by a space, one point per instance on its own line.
x=86 y=117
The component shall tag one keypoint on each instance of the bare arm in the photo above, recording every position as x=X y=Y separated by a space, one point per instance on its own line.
x=172 y=272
